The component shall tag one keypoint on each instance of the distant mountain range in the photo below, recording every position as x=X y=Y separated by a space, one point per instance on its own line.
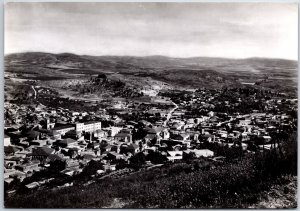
x=155 y=62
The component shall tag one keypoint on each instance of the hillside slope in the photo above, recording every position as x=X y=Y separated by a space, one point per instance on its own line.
x=179 y=72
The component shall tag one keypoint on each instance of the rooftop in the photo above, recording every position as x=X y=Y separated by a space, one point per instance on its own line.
x=91 y=122
x=42 y=151
x=63 y=127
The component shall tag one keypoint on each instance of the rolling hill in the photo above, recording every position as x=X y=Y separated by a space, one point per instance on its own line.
x=177 y=72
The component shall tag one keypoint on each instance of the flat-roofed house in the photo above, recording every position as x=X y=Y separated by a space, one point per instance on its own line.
x=181 y=136
x=6 y=140
x=157 y=133
x=68 y=142
x=29 y=167
x=123 y=137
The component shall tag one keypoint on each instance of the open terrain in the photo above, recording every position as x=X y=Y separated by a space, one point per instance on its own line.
x=147 y=75
x=132 y=93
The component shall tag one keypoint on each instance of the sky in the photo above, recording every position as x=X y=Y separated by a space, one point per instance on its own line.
x=231 y=30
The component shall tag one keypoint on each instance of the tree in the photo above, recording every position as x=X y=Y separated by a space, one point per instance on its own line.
x=188 y=157
x=138 y=160
x=120 y=164
x=156 y=157
x=58 y=165
x=140 y=145
x=92 y=168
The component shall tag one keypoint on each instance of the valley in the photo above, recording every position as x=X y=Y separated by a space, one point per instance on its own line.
x=72 y=75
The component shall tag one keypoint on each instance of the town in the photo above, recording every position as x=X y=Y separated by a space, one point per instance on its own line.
x=48 y=144
x=155 y=105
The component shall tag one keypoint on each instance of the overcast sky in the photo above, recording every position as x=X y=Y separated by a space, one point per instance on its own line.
x=235 y=30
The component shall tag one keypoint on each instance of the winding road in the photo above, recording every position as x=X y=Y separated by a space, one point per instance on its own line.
x=170 y=114
x=35 y=93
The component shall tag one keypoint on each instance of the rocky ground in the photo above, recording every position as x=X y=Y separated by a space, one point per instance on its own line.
x=279 y=196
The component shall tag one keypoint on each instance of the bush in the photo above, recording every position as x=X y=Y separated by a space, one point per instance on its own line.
x=278 y=161
x=92 y=168
x=156 y=157
x=138 y=160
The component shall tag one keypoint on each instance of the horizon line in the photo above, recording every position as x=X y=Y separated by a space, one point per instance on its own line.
x=153 y=55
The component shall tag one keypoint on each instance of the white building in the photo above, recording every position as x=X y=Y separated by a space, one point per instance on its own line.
x=63 y=129
x=90 y=126
x=7 y=140
x=201 y=152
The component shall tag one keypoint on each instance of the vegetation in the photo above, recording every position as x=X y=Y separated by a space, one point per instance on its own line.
x=101 y=84
x=235 y=182
x=185 y=72
x=198 y=183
